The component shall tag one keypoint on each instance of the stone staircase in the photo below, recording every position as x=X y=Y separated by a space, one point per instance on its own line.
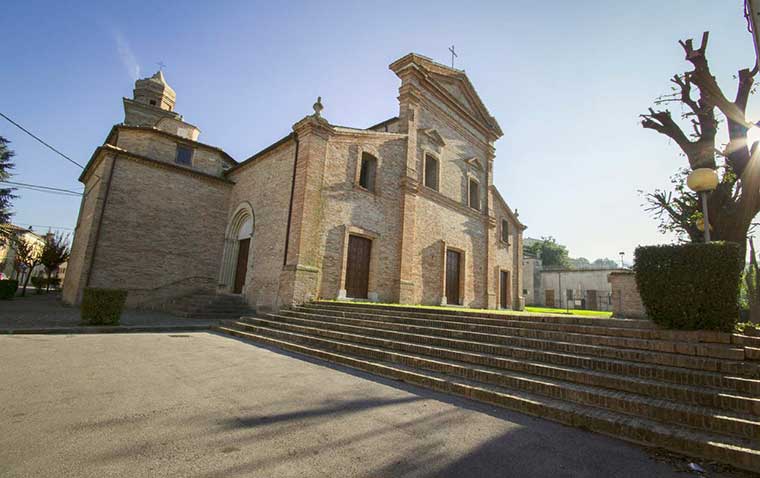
x=210 y=306
x=695 y=393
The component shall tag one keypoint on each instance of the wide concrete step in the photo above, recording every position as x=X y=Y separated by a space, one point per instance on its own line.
x=590 y=335
x=698 y=396
x=441 y=312
x=438 y=336
x=732 y=450
x=734 y=423
x=597 y=327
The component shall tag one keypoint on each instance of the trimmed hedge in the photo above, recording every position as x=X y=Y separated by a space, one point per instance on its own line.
x=690 y=286
x=102 y=306
x=8 y=288
x=39 y=282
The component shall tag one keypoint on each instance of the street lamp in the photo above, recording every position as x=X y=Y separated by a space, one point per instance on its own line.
x=702 y=181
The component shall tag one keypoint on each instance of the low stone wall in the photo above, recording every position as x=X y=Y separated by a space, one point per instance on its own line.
x=626 y=301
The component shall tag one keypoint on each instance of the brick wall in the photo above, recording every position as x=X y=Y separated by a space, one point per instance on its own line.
x=626 y=301
x=161 y=234
x=265 y=184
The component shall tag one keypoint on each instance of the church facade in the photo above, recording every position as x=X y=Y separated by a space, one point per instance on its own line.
x=404 y=211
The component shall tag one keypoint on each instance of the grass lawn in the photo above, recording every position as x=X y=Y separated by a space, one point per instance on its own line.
x=585 y=313
x=527 y=311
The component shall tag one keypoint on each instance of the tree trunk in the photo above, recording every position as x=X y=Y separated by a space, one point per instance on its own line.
x=26 y=282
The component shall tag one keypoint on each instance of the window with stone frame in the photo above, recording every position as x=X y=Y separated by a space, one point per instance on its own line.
x=184 y=155
x=368 y=172
x=431 y=172
x=474 y=194
x=505 y=231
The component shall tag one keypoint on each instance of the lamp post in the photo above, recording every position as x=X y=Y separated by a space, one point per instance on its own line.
x=702 y=181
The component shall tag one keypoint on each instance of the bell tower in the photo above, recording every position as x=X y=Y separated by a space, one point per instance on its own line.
x=154 y=91
x=153 y=100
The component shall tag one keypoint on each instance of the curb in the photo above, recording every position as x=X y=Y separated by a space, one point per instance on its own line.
x=120 y=329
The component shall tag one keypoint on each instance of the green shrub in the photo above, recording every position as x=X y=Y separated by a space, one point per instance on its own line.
x=54 y=282
x=38 y=282
x=102 y=306
x=690 y=286
x=8 y=288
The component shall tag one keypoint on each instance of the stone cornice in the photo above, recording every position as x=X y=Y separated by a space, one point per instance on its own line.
x=99 y=154
x=180 y=139
x=439 y=198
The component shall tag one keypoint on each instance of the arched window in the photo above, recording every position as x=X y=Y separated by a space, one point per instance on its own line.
x=367 y=172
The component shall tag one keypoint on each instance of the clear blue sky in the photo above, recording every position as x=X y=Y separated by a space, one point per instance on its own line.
x=565 y=79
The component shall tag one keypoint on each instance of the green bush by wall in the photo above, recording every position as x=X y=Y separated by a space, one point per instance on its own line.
x=102 y=306
x=690 y=286
x=8 y=288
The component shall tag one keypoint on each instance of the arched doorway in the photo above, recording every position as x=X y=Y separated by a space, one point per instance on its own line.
x=237 y=246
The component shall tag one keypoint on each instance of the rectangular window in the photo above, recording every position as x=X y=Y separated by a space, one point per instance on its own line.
x=431 y=172
x=474 y=194
x=184 y=155
x=505 y=231
x=367 y=172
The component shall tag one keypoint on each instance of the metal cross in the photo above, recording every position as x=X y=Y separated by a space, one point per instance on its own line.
x=453 y=55
x=161 y=65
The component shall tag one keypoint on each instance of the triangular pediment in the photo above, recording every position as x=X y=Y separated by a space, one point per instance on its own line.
x=474 y=162
x=450 y=83
x=434 y=136
x=459 y=94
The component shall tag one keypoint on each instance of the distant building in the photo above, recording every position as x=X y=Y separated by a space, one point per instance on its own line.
x=8 y=266
x=572 y=288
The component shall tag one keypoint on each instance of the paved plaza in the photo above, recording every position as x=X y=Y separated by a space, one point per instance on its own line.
x=205 y=405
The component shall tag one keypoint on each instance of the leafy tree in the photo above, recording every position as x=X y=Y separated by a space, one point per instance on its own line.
x=579 y=263
x=606 y=263
x=28 y=255
x=55 y=252
x=6 y=194
x=550 y=252
x=736 y=201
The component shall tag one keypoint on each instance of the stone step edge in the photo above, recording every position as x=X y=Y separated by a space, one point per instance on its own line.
x=603 y=351
x=696 y=336
x=732 y=423
x=746 y=403
x=635 y=323
x=710 y=350
x=704 y=378
x=615 y=425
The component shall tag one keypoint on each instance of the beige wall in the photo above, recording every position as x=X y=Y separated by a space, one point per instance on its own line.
x=161 y=234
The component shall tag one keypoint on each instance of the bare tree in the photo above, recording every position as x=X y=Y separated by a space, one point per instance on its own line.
x=736 y=201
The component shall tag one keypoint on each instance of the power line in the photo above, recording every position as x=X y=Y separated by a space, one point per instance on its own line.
x=49 y=227
x=37 y=187
x=40 y=140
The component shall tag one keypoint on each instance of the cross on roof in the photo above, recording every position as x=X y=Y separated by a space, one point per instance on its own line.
x=161 y=65
x=453 y=55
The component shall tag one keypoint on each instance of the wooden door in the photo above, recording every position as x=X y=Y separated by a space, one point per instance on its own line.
x=452 y=276
x=357 y=267
x=242 y=265
x=593 y=302
x=549 y=296
x=506 y=300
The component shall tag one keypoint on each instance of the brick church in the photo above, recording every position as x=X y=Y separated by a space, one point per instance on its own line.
x=404 y=211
